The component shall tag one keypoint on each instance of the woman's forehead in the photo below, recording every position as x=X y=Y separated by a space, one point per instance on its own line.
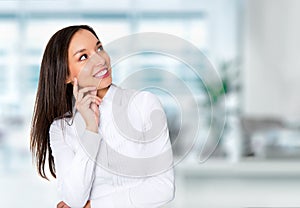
x=82 y=39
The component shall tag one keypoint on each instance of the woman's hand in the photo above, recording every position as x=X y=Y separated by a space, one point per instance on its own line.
x=87 y=103
x=88 y=204
x=64 y=205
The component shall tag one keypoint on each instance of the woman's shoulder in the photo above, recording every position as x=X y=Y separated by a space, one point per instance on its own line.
x=61 y=130
x=146 y=100
x=61 y=123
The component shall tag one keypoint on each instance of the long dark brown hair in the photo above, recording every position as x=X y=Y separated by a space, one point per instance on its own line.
x=54 y=96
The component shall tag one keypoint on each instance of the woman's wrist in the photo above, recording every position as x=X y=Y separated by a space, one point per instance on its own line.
x=92 y=129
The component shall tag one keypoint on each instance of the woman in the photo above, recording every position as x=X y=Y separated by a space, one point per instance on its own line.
x=107 y=146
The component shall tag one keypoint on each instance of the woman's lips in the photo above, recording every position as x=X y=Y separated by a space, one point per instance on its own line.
x=102 y=73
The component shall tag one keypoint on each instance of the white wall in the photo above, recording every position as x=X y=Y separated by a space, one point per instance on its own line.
x=271 y=70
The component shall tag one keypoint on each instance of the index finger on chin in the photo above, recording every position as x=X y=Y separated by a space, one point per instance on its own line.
x=75 y=88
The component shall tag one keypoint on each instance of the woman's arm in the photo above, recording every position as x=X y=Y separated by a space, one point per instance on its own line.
x=154 y=191
x=74 y=169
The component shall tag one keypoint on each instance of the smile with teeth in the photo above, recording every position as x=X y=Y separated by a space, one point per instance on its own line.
x=101 y=73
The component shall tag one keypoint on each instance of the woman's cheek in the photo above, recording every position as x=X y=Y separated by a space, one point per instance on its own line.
x=83 y=78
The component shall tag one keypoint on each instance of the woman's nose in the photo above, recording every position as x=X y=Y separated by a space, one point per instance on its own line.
x=99 y=60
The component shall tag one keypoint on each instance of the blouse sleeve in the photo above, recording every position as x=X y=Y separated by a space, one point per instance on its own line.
x=74 y=168
x=158 y=189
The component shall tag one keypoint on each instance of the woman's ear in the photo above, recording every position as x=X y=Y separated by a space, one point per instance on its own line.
x=68 y=80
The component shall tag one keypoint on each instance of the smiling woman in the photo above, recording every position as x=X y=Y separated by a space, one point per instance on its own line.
x=85 y=46
x=98 y=159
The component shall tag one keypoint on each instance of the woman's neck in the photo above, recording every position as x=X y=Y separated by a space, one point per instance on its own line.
x=102 y=92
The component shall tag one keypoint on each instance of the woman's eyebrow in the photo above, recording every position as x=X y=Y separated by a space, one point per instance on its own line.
x=98 y=42
x=79 y=51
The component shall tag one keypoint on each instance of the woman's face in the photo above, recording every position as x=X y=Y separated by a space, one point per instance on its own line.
x=87 y=61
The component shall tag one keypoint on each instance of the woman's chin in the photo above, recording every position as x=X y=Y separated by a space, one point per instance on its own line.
x=100 y=84
x=104 y=84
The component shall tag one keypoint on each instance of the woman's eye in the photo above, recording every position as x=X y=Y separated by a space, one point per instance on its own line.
x=83 y=57
x=100 y=48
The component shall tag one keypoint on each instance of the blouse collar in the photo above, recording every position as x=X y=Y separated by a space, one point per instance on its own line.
x=109 y=94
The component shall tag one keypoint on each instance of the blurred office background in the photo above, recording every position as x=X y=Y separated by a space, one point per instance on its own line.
x=254 y=46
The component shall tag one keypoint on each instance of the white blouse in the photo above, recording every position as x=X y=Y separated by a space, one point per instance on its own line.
x=127 y=164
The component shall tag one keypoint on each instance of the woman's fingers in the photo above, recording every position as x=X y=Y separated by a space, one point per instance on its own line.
x=88 y=99
x=95 y=108
x=87 y=205
x=82 y=91
x=75 y=88
x=62 y=205
x=94 y=92
x=78 y=94
x=85 y=90
x=87 y=103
